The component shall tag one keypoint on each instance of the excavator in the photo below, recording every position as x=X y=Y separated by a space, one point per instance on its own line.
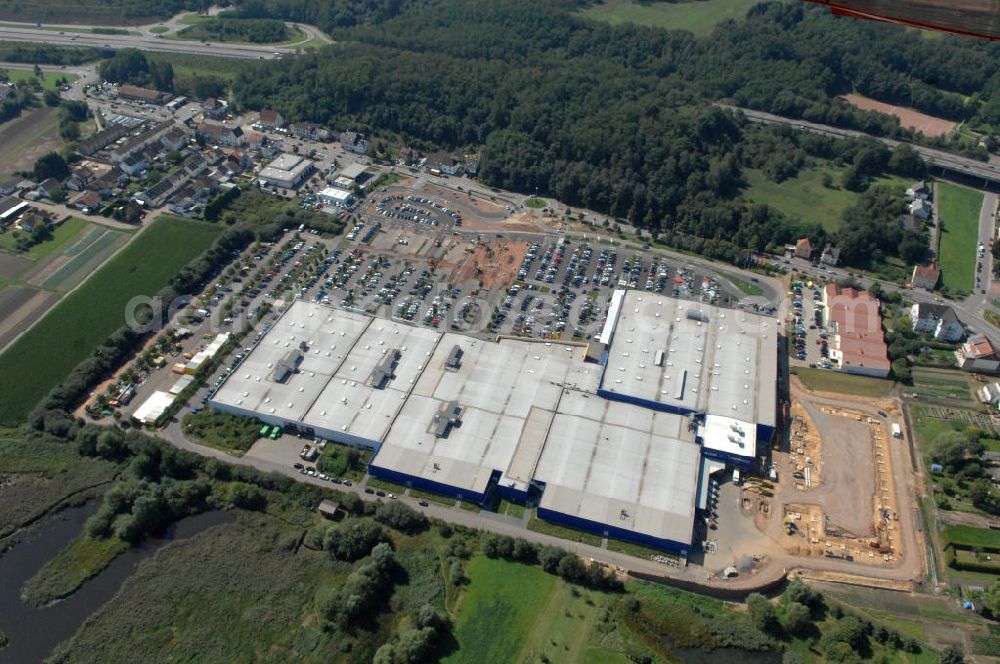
x=972 y=18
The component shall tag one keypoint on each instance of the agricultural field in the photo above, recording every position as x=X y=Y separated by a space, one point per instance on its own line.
x=67 y=335
x=933 y=384
x=698 y=17
x=804 y=196
x=958 y=211
x=26 y=138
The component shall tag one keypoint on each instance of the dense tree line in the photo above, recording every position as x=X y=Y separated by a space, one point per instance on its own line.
x=131 y=66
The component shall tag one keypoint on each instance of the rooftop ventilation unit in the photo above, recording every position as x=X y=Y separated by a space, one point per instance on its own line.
x=448 y=417
x=454 y=359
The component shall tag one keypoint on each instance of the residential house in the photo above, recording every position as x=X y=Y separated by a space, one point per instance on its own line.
x=255 y=140
x=214 y=109
x=88 y=202
x=830 y=256
x=80 y=179
x=353 y=141
x=271 y=119
x=918 y=190
x=925 y=276
x=174 y=139
x=101 y=139
x=217 y=134
x=920 y=209
x=939 y=320
x=803 y=249
x=33 y=219
x=135 y=164
x=194 y=165
x=977 y=355
x=49 y=187
x=107 y=185
x=309 y=131
x=444 y=162
x=990 y=394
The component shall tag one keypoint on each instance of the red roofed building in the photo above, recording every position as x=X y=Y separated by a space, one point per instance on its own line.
x=977 y=354
x=925 y=276
x=804 y=249
x=271 y=119
x=857 y=344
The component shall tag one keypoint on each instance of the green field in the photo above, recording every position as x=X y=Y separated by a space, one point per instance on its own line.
x=62 y=234
x=958 y=209
x=804 y=196
x=68 y=334
x=746 y=287
x=50 y=80
x=969 y=537
x=822 y=380
x=232 y=434
x=499 y=608
x=98 y=242
x=698 y=17
x=535 y=203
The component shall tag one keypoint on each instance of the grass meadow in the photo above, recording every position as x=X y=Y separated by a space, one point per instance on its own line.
x=958 y=210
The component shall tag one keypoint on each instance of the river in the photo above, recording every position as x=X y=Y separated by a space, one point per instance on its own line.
x=34 y=633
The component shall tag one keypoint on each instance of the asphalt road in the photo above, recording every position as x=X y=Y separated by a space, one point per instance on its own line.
x=939 y=158
x=144 y=42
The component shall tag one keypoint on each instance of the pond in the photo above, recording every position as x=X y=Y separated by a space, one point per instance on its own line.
x=35 y=632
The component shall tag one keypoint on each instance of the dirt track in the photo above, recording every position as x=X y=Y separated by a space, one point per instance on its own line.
x=929 y=125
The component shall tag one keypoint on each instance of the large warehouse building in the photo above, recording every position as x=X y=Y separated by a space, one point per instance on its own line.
x=623 y=448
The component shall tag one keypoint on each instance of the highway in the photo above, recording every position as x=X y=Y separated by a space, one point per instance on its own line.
x=143 y=42
x=989 y=173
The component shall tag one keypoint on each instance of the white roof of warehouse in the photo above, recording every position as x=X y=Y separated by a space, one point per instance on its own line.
x=507 y=392
x=353 y=170
x=332 y=388
x=153 y=407
x=529 y=409
x=718 y=361
x=621 y=465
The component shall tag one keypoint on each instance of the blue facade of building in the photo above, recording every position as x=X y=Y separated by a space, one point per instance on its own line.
x=434 y=487
x=613 y=531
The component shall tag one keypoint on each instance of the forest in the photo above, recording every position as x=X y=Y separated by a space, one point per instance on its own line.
x=618 y=118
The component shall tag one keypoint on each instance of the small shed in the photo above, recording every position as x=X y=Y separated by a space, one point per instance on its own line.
x=330 y=509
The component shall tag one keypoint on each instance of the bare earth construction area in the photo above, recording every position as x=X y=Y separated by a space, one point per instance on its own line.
x=928 y=125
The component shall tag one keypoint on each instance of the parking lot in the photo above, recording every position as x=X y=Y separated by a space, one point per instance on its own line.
x=808 y=334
